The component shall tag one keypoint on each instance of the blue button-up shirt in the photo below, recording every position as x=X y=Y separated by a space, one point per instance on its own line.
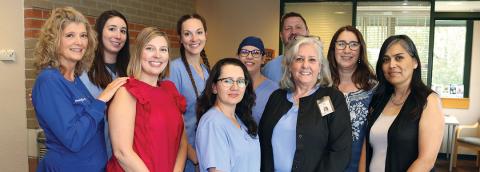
x=284 y=137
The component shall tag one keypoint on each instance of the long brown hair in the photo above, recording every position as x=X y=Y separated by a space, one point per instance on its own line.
x=243 y=109
x=182 y=48
x=363 y=74
x=98 y=73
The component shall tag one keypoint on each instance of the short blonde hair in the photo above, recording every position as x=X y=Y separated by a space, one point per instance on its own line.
x=46 y=52
x=324 y=78
x=146 y=35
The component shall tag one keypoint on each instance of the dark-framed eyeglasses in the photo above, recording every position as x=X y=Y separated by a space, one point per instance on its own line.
x=299 y=37
x=254 y=53
x=228 y=82
x=341 y=45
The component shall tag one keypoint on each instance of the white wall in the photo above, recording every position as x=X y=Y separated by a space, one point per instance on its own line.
x=13 y=125
x=228 y=22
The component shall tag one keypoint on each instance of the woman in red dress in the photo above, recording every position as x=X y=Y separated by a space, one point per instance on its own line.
x=146 y=125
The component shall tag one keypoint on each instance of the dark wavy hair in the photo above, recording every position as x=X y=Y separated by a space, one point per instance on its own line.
x=418 y=89
x=363 y=74
x=243 y=109
x=98 y=72
x=182 y=48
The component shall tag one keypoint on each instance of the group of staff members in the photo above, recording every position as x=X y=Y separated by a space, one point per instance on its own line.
x=301 y=112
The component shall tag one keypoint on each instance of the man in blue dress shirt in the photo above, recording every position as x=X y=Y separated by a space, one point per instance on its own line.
x=292 y=24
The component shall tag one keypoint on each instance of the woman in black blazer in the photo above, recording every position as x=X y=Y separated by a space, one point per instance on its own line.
x=306 y=124
x=405 y=123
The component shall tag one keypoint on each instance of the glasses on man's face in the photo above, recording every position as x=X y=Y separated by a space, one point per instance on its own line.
x=254 y=53
x=341 y=45
x=299 y=37
x=228 y=82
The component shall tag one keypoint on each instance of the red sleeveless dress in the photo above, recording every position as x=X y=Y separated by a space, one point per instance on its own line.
x=158 y=125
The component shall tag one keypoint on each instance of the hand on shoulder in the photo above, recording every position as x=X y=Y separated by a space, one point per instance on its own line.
x=111 y=89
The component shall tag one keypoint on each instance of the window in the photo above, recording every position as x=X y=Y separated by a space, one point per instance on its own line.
x=379 y=20
x=448 y=58
x=443 y=37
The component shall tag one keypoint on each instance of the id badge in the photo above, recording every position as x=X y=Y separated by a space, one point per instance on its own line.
x=325 y=105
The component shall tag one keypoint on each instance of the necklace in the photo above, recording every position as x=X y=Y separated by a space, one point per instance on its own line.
x=398 y=103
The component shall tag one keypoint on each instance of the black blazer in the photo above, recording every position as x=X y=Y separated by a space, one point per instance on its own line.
x=323 y=142
x=402 y=144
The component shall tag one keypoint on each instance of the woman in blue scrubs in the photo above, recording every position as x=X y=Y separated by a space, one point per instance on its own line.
x=252 y=53
x=72 y=119
x=189 y=72
x=227 y=134
x=111 y=57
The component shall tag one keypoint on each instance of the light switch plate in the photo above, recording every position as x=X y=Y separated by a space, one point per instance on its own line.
x=7 y=55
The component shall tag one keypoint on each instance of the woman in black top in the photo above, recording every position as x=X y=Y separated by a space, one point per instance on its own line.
x=405 y=123
x=306 y=124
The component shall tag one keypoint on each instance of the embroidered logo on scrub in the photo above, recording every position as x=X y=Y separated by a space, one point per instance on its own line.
x=80 y=100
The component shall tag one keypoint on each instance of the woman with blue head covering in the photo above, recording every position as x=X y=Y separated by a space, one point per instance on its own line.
x=252 y=54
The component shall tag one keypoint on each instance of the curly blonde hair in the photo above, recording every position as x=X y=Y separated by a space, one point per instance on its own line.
x=46 y=52
x=146 y=35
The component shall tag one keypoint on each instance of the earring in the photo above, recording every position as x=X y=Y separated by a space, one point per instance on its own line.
x=359 y=61
x=214 y=91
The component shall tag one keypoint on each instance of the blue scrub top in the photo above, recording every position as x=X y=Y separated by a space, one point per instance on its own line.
x=73 y=122
x=221 y=144
x=92 y=88
x=179 y=76
x=284 y=137
x=273 y=70
x=263 y=92
x=95 y=91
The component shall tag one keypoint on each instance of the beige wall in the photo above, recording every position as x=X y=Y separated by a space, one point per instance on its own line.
x=228 y=22
x=13 y=126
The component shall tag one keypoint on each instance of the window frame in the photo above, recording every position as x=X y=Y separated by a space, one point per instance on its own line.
x=469 y=16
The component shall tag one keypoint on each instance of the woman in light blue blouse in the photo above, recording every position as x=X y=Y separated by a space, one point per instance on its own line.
x=252 y=53
x=189 y=72
x=352 y=75
x=227 y=137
